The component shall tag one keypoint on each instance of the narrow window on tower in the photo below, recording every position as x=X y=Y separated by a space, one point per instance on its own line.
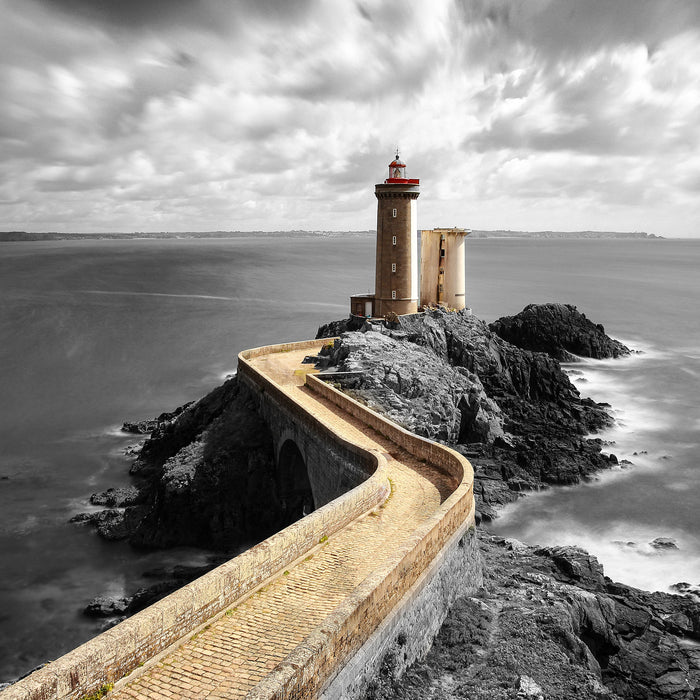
x=393 y=294
x=393 y=267
x=393 y=240
x=393 y=213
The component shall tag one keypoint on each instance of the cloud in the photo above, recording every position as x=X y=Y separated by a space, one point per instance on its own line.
x=212 y=15
x=249 y=114
x=567 y=29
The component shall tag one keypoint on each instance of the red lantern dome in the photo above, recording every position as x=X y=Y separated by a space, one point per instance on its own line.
x=397 y=172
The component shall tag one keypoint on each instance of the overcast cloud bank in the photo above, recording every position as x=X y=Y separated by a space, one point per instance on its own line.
x=276 y=114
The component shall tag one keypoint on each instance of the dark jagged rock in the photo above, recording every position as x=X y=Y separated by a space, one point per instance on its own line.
x=560 y=330
x=574 y=566
x=145 y=427
x=151 y=594
x=112 y=523
x=107 y=606
x=116 y=497
x=205 y=477
x=548 y=624
x=141 y=427
x=133 y=450
x=172 y=435
x=123 y=606
x=217 y=491
x=335 y=328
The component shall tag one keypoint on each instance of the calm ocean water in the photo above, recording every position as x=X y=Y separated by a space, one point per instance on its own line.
x=97 y=332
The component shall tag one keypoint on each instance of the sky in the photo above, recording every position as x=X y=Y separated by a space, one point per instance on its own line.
x=197 y=115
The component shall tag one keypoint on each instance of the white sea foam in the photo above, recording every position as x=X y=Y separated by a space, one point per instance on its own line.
x=628 y=556
x=226 y=374
x=623 y=547
x=679 y=486
x=691 y=352
x=648 y=424
x=81 y=505
x=28 y=524
x=108 y=431
x=116 y=431
x=609 y=381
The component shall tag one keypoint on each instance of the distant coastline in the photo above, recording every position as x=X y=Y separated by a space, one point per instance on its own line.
x=636 y=235
x=13 y=236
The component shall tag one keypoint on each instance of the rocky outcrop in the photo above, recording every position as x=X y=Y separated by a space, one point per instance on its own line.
x=116 y=498
x=146 y=427
x=560 y=330
x=333 y=328
x=219 y=489
x=447 y=376
x=205 y=477
x=549 y=624
x=107 y=606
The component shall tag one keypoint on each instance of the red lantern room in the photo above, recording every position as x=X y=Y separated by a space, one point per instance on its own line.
x=397 y=172
x=397 y=169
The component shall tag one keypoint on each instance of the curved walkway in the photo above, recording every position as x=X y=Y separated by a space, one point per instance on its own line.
x=266 y=625
x=230 y=657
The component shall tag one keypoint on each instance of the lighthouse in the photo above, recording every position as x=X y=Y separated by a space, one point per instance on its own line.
x=396 y=271
x=396 y=276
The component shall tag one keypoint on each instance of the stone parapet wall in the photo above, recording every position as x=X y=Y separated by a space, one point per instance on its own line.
x=406 y=633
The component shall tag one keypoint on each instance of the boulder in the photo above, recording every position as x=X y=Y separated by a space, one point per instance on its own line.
x=145 y=427
x=107 y=606
x=335 y=328
x=116 y=497
x=574 y=565
x=559 y=330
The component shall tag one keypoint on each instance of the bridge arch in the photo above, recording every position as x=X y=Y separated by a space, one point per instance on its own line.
x=293 y=483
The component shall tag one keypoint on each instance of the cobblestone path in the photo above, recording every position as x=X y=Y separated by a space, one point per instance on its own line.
x=238 y=649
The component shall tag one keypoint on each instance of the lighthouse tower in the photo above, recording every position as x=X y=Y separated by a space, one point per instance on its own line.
x=396 y=271
x=396 y=278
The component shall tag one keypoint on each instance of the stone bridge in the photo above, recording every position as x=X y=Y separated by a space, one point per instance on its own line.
x=312 y=610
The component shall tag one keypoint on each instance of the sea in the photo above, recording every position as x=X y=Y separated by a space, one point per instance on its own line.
x=96 y=332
